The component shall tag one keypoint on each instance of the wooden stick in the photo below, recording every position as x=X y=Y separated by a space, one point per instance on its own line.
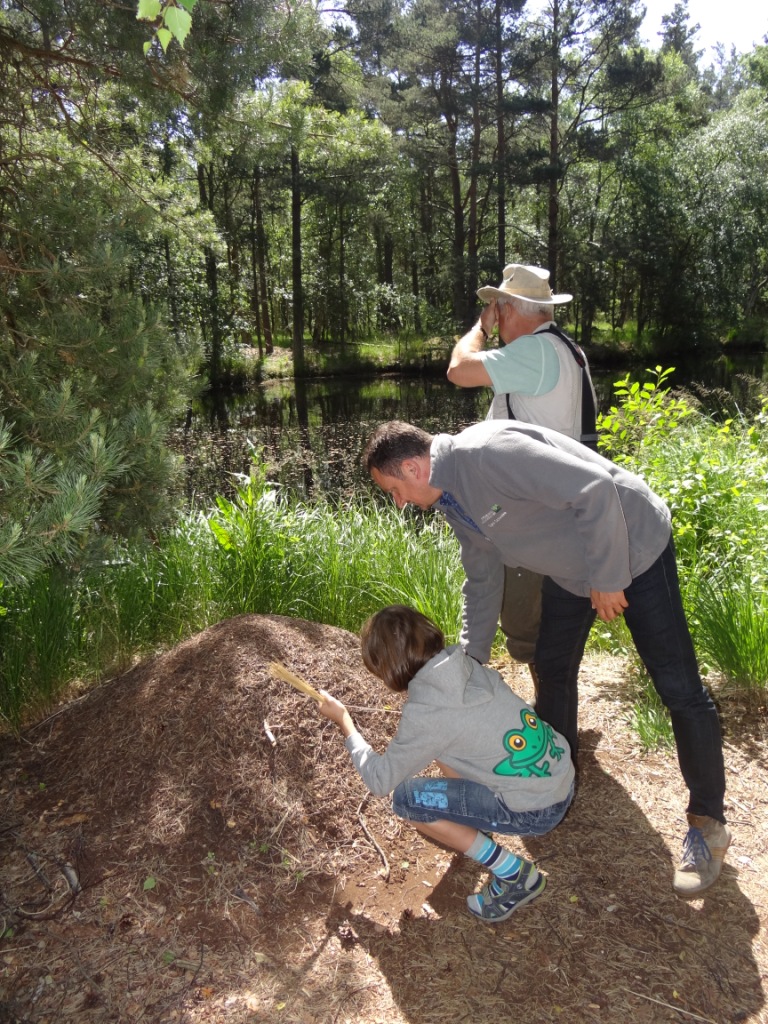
x=369 y=835
x=669 y=1006
x=282 y=673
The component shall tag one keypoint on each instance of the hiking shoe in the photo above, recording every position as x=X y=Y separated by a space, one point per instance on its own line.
x=703 y=851
x=501 y=897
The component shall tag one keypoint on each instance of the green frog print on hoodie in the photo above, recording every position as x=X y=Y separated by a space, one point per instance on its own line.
x=528 y=747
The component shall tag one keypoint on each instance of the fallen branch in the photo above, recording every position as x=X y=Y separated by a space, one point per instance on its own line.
x=371 y=838
x=669 y=1006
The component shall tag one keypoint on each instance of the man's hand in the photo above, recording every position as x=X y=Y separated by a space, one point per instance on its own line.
x=489 y=317
x=335 y=711
x=608 y=606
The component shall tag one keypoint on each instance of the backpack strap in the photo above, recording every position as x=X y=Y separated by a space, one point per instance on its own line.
x=588 y=412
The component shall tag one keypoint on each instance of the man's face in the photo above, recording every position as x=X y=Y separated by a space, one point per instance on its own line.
x=413 y=488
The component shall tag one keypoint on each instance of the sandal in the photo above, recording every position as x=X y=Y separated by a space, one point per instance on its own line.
x=501 y=897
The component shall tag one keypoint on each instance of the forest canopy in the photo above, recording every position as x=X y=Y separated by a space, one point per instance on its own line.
x=298 y=171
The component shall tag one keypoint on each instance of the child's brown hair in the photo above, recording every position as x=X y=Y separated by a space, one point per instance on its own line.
x=396 y=642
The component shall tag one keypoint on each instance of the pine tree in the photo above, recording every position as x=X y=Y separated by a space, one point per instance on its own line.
x=90 y=377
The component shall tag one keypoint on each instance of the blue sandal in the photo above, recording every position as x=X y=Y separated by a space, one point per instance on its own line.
x=501 y=897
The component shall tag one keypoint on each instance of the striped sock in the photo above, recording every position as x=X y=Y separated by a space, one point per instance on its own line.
x=491 y=855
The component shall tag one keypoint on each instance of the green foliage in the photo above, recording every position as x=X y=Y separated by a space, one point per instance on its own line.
x=713 y=474
x=90 y=378
x=646 y=413
x=714 y=483
x=170 y=19
x=724 y=169
x=757 y=67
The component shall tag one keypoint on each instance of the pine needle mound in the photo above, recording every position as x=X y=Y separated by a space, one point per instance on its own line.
x=189 y=842
x=170 y=771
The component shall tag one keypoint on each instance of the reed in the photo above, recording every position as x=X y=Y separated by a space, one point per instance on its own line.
x=732 y=628
x=333 y=563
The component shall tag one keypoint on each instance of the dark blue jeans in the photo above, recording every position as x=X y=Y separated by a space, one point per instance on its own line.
x=656 y=620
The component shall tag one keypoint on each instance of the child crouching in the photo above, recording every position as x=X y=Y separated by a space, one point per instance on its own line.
x=504 y=770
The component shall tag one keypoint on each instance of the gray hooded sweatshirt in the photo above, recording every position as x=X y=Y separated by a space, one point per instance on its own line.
x=542 y=501
x=464 y=715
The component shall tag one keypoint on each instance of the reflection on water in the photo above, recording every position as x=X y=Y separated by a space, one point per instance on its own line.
x=312 y=433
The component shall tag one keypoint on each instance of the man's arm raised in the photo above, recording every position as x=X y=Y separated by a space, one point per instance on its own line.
x=466 y=369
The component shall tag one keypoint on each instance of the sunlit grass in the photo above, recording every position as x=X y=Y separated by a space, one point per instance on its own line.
x=732 y=629
x=333 y=563
x=648 y=717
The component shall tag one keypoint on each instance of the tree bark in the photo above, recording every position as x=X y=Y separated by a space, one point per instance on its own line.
x=501 y=145
x=261 y=259
x=296 y=273
x=553 y=205
x=213 y=325
x=459 y=232
x=472 y=192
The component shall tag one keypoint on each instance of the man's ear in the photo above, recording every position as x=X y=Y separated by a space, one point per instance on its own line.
x=409 y=469
x=412 y=469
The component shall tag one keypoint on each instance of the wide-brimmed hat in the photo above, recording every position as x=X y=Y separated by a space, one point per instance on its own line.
x=519 y=282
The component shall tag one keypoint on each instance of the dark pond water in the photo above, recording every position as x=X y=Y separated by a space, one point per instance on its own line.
x=310 y=434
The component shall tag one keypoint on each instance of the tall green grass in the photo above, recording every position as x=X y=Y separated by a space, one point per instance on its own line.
x=333 y=563
x=264 y=551
x=731 y=628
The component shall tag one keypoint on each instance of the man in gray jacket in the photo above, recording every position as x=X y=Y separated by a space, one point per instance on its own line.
x=538 y=375
x=519 y=494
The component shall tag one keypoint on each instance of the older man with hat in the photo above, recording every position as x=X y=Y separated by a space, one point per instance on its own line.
x=538 y=375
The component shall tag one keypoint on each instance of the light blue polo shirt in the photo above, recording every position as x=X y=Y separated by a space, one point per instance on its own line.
x=528 y=365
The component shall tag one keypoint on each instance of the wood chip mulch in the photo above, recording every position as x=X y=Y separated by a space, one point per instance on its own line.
x=189 y=843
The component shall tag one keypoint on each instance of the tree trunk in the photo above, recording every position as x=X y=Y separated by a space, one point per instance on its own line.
x=254 y=296
x=386 y=319
x=501 y=145
x=261 y=257
x=472 y=192
x=457 y=245
x=213 y=325
x=343 y=304
x=298 y=296
x=554 y=153
x=426 y=222
x=172 y=304
x=415 y=284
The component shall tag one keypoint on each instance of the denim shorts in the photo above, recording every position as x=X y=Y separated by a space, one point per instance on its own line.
x=471 y=803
